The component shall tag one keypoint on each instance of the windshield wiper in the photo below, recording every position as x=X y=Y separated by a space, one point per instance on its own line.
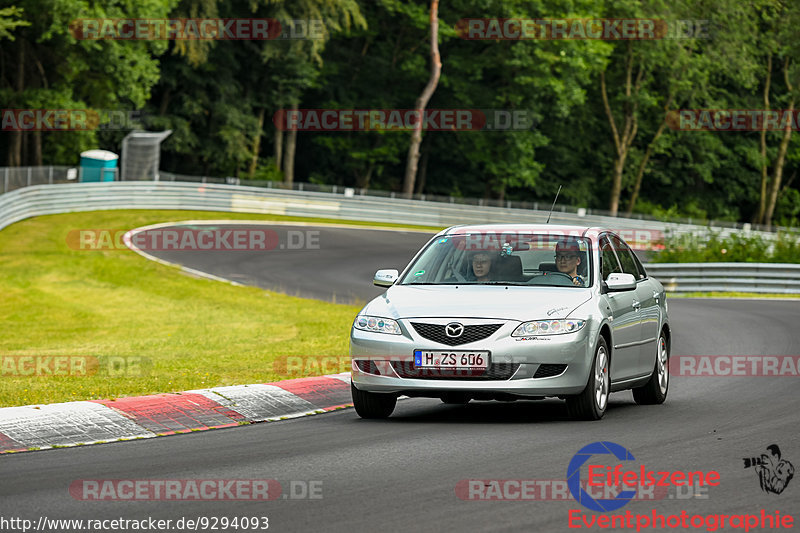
x=432 y=283
x=503 y=283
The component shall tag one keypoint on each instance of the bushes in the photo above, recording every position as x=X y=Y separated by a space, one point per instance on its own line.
x=736 y=248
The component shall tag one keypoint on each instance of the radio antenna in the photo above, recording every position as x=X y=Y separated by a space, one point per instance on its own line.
x=553 y=206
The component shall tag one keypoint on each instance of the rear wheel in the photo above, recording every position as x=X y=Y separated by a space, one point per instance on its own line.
x=372 y=404
x=592 y=402
x=655 y=390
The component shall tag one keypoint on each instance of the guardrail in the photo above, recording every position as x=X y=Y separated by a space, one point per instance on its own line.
x=12 y=178
x=37 y=200
x=727 y=277
x=49 y=199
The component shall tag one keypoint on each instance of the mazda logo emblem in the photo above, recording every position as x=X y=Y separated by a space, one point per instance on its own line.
x=454 y=329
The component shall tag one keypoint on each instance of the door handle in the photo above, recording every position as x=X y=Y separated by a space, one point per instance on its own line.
x=656 y=296
x=637 y=305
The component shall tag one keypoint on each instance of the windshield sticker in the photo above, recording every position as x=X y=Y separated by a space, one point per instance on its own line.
x=419 y=272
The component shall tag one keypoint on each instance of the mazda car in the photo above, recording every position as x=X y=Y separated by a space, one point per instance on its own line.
x=514 y=312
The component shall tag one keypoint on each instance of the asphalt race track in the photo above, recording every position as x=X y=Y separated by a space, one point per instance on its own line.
x=322 y=262
x=401 y=474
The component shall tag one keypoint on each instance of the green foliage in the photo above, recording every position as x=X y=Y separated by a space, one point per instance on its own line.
x=9 y=21
x=267 y=171
x=738 y=248
x=374 y=54
x=788 y=210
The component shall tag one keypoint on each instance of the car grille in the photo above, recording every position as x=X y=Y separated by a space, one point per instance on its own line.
x=435 y=332
x=496 y=371
x=548 y=371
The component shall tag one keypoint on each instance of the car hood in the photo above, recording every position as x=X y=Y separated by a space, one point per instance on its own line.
x=484 y=301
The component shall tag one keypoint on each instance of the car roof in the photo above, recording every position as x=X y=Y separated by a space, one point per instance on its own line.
x=553 y=229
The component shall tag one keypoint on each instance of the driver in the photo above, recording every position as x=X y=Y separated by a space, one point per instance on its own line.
x=568 y=257
x=481 y=266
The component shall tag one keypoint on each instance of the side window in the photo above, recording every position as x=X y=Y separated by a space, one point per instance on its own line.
x=626 y=257
x=610 y=263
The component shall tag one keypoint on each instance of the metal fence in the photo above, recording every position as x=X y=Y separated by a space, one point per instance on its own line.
x=13 y=178
x=727 y=277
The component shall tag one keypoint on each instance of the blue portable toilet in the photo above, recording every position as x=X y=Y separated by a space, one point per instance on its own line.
x=98 y=165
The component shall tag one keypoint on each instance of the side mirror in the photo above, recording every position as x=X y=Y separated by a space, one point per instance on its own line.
x=618 y=281
x=386 y=277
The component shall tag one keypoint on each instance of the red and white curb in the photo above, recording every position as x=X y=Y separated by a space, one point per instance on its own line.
x=34 y=427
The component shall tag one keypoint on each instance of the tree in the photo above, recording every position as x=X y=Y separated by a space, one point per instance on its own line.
x=422 y=101
x=300 y=60
x=652 y=77
x=783 y=44
x=46 y=67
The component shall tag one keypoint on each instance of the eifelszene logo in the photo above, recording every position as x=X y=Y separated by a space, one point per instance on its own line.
x=773 y=472
x=616 y=477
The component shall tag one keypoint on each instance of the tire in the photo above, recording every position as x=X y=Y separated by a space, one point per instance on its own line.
x=455 y=398
x=592 y=402
x=372 y=404
x=655 y=390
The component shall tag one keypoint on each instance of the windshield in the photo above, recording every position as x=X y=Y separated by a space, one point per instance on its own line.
x=503 y=259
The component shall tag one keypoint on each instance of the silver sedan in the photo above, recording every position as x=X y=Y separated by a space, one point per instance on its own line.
x=507 y=312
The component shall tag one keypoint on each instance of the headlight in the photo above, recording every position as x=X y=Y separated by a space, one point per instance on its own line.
x=377 y=324
x=548 y=327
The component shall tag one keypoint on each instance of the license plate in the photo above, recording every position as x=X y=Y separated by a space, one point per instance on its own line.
x=451 y=359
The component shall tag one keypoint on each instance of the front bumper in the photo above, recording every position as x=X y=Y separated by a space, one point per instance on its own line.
x=519 y=358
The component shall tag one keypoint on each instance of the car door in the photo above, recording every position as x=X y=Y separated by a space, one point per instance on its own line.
x=649 y=310
x=625 y=321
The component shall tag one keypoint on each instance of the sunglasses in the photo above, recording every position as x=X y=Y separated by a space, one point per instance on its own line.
x=566 y=256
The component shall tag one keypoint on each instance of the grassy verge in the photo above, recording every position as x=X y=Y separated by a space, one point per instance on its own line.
x=138 y=327
x=732 y=295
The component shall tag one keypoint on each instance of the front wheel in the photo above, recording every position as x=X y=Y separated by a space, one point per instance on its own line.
x=655 y=390
x=592 y=402
x=372 y=404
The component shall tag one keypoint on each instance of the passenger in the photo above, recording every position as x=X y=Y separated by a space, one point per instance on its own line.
x=568 y=258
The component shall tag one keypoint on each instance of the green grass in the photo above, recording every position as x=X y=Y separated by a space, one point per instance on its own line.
x=186 y=333
x=732 y=295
